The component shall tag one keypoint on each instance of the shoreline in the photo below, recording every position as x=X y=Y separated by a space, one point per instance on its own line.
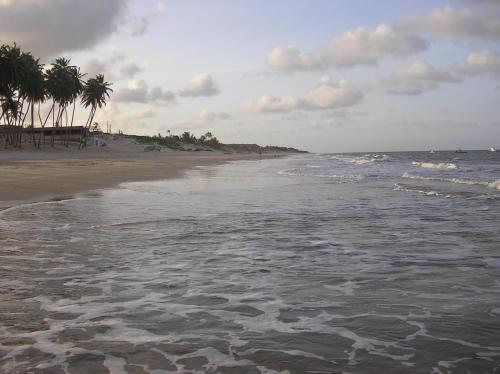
x=24 y=181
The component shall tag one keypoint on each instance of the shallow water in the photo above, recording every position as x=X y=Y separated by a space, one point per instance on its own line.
x=311 y=264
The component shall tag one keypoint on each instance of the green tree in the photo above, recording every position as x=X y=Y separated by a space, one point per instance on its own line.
x=32 y=89
x=11 y=74
x=95 y=93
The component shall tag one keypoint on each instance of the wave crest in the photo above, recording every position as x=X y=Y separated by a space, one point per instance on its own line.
x=431 y=165
x=471 y=182
x=366 y=159
x=339 y=178
x=398 y=187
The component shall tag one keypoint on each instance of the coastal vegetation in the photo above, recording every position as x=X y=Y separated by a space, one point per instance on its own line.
x=176 y=141
x=207 y=141
x=26 y=85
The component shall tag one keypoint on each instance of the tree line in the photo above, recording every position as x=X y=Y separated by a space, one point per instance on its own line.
x=26 y=84
x=174 y=141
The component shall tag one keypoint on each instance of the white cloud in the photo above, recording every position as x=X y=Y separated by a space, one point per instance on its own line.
x=94 y=66
x=143 y=114
x=330 y=96
x=416 y=78
x=295 y=116
x=130 y=69
x=139 y=92
x=270 y=104
x=162 y=97
x=51 y=27
x=448 y=22
x=287 y=59
x=115 y=67
x=359 y=47
x=339 y=113
x=484 y=62
x=131 y=120
x=200 y=85
x=139 y=25
x=207 y=116
x=325 y=96
x=406 y=37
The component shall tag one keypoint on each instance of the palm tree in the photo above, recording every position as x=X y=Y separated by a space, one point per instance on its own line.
x=11 y=74
x=23 y=85
x=95 y=93
x=64 y=85
x=31 y=89
x=76 y=90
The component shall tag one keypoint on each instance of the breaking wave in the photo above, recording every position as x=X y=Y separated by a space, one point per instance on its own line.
x=366 y=159
x=398 y=187
x=337 y=177
x=289 y=172
x=341 y=178
x=430 y=165
x=471 y=182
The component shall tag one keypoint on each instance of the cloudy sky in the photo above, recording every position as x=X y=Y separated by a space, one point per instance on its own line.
x=326 y=76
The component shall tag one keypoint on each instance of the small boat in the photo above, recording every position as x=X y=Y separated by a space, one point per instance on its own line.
x=432 y=151
x=459 y=150
x=493 y=149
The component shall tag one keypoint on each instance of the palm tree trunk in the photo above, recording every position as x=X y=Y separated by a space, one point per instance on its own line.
x=72 y=115
x=21 y=124
x=51 y=111
x=33 y=122
x=66 y=140
x=88 y=124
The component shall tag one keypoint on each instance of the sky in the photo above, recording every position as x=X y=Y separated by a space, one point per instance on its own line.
x=320 y=75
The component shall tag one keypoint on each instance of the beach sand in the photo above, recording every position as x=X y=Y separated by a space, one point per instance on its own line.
x=30 y=175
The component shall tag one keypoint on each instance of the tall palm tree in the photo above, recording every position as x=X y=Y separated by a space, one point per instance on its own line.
x=31 y=89
x=95 y=93
x=64 y=85
x=24 y=84
x=11 y=74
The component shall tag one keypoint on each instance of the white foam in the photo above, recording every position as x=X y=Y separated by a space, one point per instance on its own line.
x=289 y=172
x=400 y=188
x=342 y=178
x=369 y=159
x=366 y=159
x=430 y=165
x=115 y=364
x=339 y=178
x=346 y=288
x=471 y=182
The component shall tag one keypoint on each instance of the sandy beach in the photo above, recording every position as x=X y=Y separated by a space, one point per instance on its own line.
x=29 y=175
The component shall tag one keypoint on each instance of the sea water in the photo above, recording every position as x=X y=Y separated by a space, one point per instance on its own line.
x=348 y=263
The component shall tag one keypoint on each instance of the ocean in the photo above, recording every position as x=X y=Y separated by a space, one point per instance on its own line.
x=319 y=263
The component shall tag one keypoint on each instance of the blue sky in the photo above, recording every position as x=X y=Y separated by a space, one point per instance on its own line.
x=326 y=76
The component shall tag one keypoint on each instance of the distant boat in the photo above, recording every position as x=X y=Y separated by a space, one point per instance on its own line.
x=459 y=150
x=493 y=149
x=432 y=151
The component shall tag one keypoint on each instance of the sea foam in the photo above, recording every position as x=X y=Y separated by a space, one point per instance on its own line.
x=471 y=182
x=430 y=165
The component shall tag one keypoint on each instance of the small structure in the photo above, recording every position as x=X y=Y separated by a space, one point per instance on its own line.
x=58 y=134
x=95 y=140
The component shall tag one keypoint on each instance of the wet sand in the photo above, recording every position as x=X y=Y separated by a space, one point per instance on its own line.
x=28 y=176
